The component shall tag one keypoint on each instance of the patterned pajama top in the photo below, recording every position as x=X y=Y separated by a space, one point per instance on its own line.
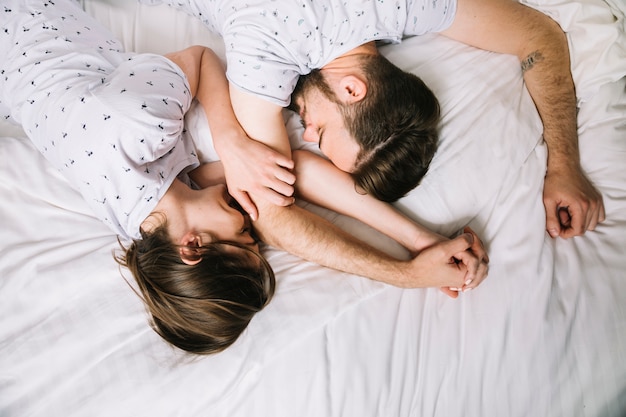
x=111 y=122
x=270 y=43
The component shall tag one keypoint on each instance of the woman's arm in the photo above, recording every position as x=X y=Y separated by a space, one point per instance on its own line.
x=249 y=165
x=263 y=122
x=307 y=235
x=321 y=183
x=311 y=237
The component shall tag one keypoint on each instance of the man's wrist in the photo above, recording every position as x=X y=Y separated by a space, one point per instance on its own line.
x=562 y=164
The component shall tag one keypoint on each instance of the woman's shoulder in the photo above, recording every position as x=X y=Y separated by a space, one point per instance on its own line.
x=149 y=95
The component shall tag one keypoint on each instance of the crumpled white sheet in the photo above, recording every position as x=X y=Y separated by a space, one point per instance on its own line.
x=543 y=335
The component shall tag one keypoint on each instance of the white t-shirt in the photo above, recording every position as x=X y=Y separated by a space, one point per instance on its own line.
x=270 y=43
x=111 y=122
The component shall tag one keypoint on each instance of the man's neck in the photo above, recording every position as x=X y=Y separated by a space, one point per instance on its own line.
x=350 y=59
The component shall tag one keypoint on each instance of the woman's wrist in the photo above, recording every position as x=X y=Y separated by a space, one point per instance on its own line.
x=423 y=238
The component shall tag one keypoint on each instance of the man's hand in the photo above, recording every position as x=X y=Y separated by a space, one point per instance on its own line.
x=572 y=204
x=252 y=167
x=476 y=262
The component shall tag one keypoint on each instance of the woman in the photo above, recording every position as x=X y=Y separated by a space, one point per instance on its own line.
x=112 y=122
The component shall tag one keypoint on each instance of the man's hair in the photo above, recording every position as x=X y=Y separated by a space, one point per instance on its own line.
x=201 y=308
x=396 y=127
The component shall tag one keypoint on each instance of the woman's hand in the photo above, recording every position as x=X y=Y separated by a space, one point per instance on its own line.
x=252 y=167
x=249 y=165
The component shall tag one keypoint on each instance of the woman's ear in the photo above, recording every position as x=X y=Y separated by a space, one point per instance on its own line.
x=352 y=89
x=190 y=248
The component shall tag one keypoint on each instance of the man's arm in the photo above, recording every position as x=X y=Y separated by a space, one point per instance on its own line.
x=312 y=238
x=572 y=203
x=309 y=236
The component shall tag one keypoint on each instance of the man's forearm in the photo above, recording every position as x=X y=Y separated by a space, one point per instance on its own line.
x=572 y=203
x=310 y=237
x=545 y=64
x=509 y=27
x=447 y=264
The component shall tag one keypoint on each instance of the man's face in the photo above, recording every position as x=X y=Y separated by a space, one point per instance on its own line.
x=323 y=123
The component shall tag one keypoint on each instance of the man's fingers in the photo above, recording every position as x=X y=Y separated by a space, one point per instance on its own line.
x=597 y=215
x=574 y=221
x=564 y=217
x=553 y=225
x=471 y=263
x=450 y=293
x=592 y=217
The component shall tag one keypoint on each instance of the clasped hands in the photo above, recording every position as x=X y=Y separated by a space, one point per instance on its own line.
x=453 y=265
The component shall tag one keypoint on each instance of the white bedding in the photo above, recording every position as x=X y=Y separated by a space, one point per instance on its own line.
x=544 y=335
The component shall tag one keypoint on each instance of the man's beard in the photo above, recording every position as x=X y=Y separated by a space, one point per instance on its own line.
x=306 y=83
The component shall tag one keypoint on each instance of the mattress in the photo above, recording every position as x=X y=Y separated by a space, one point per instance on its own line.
x=543 y=335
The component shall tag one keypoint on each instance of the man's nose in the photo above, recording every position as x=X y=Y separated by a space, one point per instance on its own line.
x=309 y=135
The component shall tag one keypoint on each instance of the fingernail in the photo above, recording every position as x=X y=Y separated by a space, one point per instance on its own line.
x=468 y=282
x=468 y=288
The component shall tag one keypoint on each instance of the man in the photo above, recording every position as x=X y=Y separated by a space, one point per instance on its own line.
x=194 y=257
x=269 y=44
x=63 y=84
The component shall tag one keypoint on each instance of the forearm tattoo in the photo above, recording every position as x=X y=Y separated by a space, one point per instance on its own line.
x=531 y=60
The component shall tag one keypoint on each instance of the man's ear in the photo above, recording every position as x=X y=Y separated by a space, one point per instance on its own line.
x=189 y=250
x=352 y=89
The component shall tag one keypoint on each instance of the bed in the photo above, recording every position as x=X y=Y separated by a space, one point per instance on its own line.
x=544 y=335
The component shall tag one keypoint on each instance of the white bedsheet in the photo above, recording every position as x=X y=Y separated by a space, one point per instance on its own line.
x=544 y=335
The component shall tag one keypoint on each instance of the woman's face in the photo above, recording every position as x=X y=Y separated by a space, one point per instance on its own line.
x=218 y=217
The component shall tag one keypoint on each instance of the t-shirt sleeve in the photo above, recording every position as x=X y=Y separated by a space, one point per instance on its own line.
x=428 y=16
x=144 y=151
x=153 y=95
x=258 y=64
